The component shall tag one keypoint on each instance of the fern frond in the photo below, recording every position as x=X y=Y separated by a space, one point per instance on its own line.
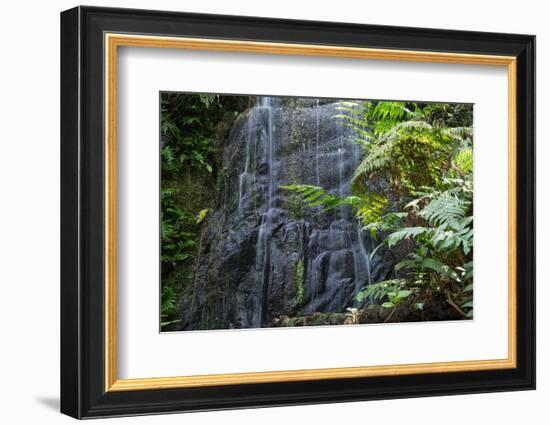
x=315 y=196
x=391 y=110
x=378 y=291
x=460 y=133
x=464 y=160
x=445 y=210
x=406 y=233
x=381 y=152
x=167 y=153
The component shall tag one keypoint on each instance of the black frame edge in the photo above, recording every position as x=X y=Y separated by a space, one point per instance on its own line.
x=70 y=382
x=526 y=209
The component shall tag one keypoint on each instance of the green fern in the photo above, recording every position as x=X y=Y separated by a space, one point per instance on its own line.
x=405 y=233
x=167 y=153
x=445 y=210
x=380 y=290
x=168 y=307
x=368 y=207
x=315 y=196
x=420 y=264
x=463 y=160
x=414 y=184
x=383 y=152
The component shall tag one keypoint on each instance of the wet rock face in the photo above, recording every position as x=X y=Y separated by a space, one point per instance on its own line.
x=263 y=253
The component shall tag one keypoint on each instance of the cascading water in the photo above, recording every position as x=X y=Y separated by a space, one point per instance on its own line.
x=246 y=178
x=362 y=254
x=317 y=133
x=262 y=246
x=341 y=171
x=268 y=256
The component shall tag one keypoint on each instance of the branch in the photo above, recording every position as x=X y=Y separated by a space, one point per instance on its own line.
x=391 y=313
x=453 y=305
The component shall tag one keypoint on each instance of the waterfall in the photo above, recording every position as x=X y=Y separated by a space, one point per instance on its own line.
x=263 y=263
x=317 y=134
x=257 y=241
x=341 y=165
x=266 y=104
x=246 y=178
x=364 y=252
x=344 y=236
x=340 y=172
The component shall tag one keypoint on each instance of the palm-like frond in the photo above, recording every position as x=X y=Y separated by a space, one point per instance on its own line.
x=460 y=133
x=381 y=153
x=445 y=210
x=315 y=196
x=463 y=160
x=380 y=290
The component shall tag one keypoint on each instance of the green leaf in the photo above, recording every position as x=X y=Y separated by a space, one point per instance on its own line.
x=406 y=233
x=436 y=265
x=445 y=209
x=404 y=293
x=380 y=290
x=201 y=215
x=419 y=306
x=388 y=304
x=164 y=324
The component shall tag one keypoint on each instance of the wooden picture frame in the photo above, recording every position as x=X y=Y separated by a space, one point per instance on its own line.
x=90 y=38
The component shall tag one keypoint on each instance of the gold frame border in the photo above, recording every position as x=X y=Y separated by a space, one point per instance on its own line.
x=113 y=41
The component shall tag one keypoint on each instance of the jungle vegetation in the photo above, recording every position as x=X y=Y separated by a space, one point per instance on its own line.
x=413 y=192
x=190 y=173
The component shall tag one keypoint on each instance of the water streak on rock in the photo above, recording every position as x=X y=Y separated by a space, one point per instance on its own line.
x=268 y=254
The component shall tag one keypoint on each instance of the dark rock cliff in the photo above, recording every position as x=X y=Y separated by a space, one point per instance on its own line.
x=262 y=253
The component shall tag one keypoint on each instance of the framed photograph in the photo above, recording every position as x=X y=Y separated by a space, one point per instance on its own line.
x=261 y=212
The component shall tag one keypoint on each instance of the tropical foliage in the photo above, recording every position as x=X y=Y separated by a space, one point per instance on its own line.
x=189 y=171
x=413 y=192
